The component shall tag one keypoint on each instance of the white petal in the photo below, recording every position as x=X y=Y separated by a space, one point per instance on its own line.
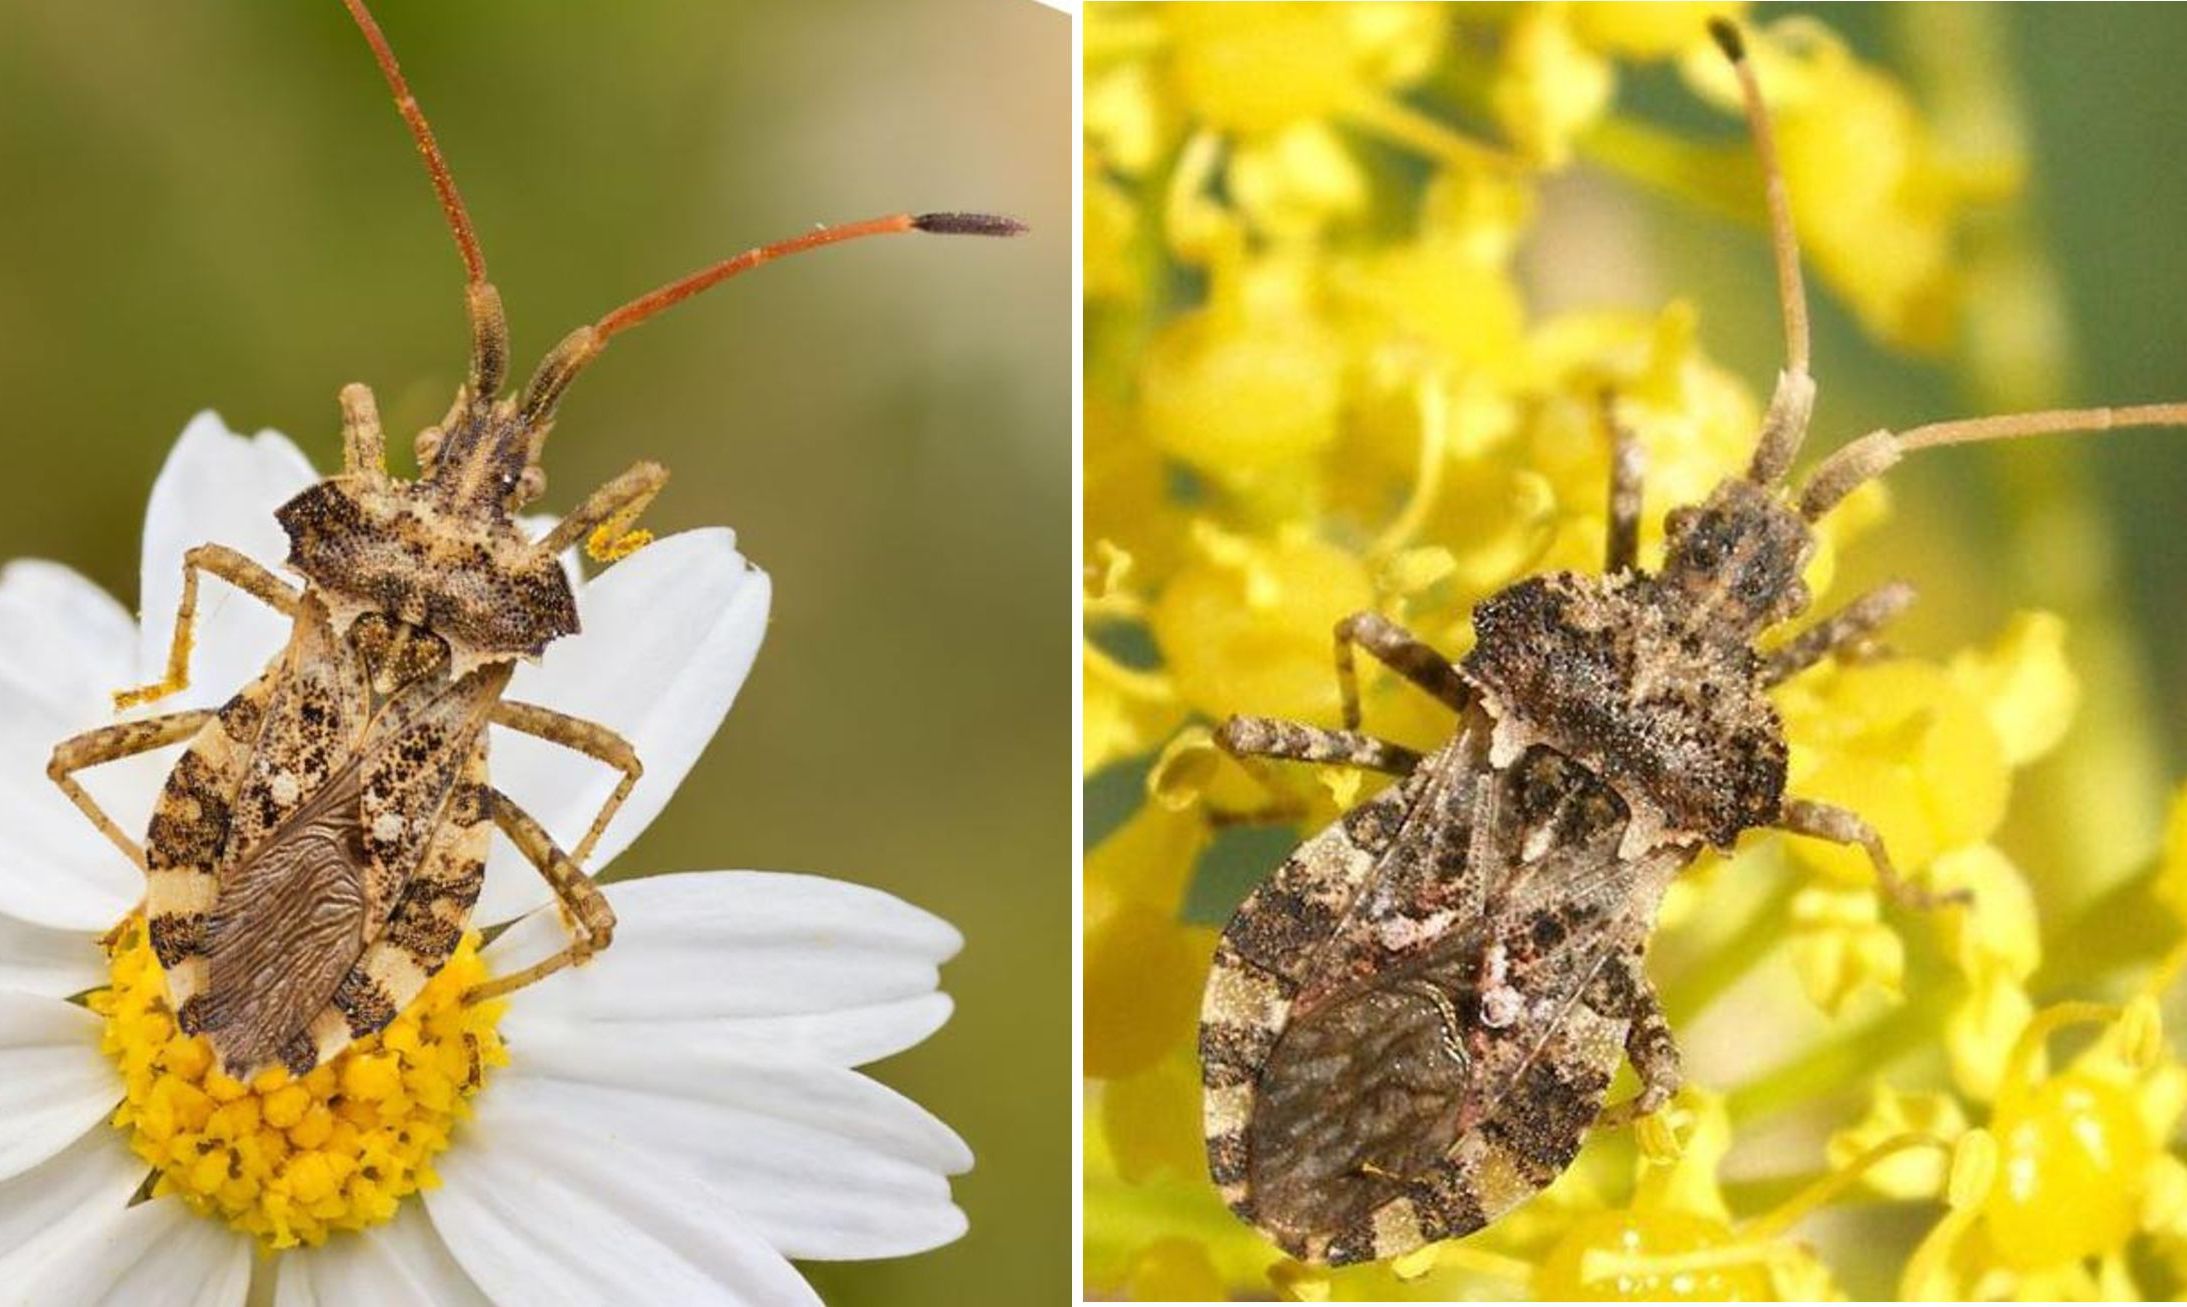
x=55 y=868
x=47 y=1209
x=85 y=639
x=47 y=962
x=54 y=1083
x=220 y=488
x=156 y=1254
x=821 y=1161
x=538 y=1213
x=710 y=945
x=400 y=1264
x=846 y=1036
x=669 y=634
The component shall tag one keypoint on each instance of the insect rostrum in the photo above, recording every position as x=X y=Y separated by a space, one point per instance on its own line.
x=317 y=849
x=1411 y=1026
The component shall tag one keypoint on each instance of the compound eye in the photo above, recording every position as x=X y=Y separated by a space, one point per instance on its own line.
x=1707 y=544
x=531 y=484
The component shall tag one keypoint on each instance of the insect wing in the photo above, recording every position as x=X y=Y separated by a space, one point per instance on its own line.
x=285 y=931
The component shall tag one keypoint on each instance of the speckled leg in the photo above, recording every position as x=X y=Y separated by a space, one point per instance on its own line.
x=1649 y=1046
x=605 y=520
x=584 y=908
x=1402 y=652
x=1266 y=737
x=230 y=566
x=1842 y=632
x=364 y=445
x=1627 y=470
x=111 y=744
x=1823 y=821
x=588 y=738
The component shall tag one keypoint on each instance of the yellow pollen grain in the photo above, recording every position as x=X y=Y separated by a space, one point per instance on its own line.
x=609 y=543
x=285 y=1160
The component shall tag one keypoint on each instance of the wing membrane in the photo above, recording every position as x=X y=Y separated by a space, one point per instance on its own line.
x=287 y=926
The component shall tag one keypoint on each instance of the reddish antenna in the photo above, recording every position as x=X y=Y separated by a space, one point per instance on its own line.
x=583 y=345
x=946 y=224
x=451 y=203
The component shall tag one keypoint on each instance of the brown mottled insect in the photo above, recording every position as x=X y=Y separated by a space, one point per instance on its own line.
x=315 y=854
x=1411 y=1026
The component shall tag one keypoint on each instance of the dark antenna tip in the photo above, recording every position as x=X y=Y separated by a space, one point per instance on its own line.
x=968 y=224
x=1726 y=34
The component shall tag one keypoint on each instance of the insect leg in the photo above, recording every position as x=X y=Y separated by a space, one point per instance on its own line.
x=589 y=738
x=604 y=520
x=585 y=908
x=1626 y=470
x=1825 y=822
x=1402 y=652
x=1266 y=737
x=364 y=445
x=111 y=744
x=230 y=566
x=1840 y=631
x=1648 y=1046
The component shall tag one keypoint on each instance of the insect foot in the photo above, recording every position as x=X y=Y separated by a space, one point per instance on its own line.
x=1411 y=1026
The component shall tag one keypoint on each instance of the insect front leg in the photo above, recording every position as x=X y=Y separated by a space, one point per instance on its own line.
x=1649 y=1046
x=589 y=738
x=1841 y=632
x=1839 y=826
x=584 y=908
x=364 y=444
x=604 y=521
x=111 y=744
x=1402 y=652
x=237 y=570
x=1627 y=471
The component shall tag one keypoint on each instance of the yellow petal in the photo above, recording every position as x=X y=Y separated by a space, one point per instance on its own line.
x=2024 y=684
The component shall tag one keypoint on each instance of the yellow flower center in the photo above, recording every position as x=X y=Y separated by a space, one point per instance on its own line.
x=2074 y=1158
x=289 y=1160
x=1674 y=1248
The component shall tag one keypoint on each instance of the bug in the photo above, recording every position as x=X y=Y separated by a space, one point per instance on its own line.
x=1411 y=1025
x=316 y=850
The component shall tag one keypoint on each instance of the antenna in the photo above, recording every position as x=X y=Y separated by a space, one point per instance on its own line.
x=1785 y=425
x=581 y=346
x=436 y=167
x=1873 y=454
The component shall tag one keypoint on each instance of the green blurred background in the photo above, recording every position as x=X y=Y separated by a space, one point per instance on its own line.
x=216 y=206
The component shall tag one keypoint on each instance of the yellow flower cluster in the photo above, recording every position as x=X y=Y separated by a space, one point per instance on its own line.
x=287 y=1160
x=1315 y=385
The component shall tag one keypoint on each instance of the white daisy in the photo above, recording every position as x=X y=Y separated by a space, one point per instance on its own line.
x=671 y=1122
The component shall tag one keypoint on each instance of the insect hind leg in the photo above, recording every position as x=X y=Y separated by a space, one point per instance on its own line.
x=585 y=908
